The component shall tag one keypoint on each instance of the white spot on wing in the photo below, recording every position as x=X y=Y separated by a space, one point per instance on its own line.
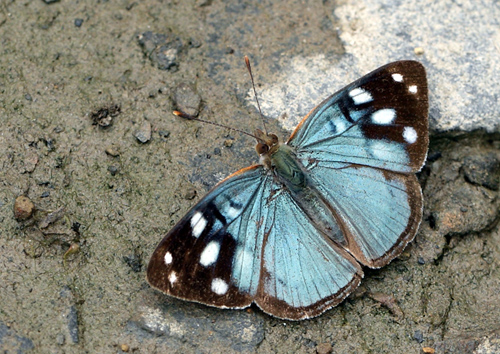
x=410 y=135
x=198 y=223
x=210 y=254
x=172 y=278
x=384 y=116
x=168 y=258
x=231 y=212
x=360 y=96
x=219 y=286
x=412 y=89
x=397 y=77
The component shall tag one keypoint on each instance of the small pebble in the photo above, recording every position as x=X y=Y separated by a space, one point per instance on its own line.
x=60 y=339
x=418 y=50
x=418 y=336
x=190 y=194
x=144 y=133
x=164 y=134
x=23 y=208
x=111 y=151
x=30 y=162
x=113 y=170
x=187 y=99
x=78 y=22
x=324 y=348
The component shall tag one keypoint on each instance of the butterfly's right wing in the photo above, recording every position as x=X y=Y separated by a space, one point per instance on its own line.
x=213 y=254
x=361 y=148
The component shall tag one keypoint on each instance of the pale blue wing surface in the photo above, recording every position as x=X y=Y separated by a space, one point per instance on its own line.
x=304 y=273
x=379 y=211
x=247 y=240
x=379 y=121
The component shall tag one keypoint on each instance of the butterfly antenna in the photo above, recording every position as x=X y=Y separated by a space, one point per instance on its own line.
x=190 y=117
x=247 y=62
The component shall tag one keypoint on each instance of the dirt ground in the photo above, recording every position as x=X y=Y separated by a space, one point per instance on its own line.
x=87 y=89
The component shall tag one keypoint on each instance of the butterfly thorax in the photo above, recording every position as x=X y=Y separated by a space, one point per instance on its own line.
x=281 y=160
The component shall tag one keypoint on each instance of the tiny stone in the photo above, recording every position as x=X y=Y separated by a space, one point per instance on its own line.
x=78 y=22
x=190 y=194
x=111 y=151
x=23 y=208
x=60 y=339
x=73 y=324
x=28 y=97
x=418 y=50
x=464 y=209
x=421 y=261
x=324 y=348
x=45 y=194
x=144 y=133
x=187 y=99
x=418 y=336
x=163 y=134
x=30 y=162
x=125 y=348
x=228 y=143
x=134 y=262
x=217 y=151
x=113 y=170
x=162 y=49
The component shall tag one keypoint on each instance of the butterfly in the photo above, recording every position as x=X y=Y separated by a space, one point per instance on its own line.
x=292 y=233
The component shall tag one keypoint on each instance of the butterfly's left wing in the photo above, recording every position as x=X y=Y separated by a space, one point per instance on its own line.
x=248 y=241
x=379 y=120
x=361 y=147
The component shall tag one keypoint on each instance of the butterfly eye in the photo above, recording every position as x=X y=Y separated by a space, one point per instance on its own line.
x=261 y=148
x=274 y=139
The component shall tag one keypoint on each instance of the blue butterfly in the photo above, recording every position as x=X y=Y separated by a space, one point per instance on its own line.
x=291 y=233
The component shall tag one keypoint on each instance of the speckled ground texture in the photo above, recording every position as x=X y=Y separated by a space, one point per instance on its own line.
x=86 y=94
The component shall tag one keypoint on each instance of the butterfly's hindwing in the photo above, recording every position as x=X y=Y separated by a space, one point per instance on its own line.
x=267 y=251
x=379 y=211
x=303 y=272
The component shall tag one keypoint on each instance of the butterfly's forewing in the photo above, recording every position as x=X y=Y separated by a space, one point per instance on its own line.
x=379 y=120
x=214 y=254
x=361 y=147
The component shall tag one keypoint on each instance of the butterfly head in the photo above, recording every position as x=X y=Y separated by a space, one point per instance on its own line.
x=267 y=145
